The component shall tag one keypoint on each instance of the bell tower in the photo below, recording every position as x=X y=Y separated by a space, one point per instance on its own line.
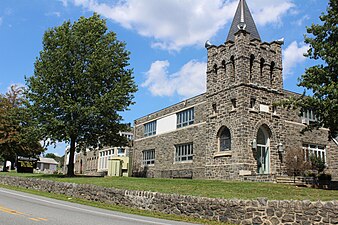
x=244 y=59
x=244 y=79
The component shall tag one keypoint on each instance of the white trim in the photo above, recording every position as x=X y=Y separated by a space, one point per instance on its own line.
x=156 y=135
x=223 y=154
x=300 y=124
x=168 y=114
x=318 y=152
x=335 y=141
x=183 y=162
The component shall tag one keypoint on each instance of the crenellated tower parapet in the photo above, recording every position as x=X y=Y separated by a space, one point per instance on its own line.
x=244 y=59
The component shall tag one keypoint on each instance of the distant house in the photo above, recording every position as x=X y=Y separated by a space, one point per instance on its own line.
x=47 y=164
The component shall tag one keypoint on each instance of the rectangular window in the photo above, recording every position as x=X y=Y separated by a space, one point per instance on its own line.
x=274 y=110
x=314 y=150
x=252 y=103
x=214 y=108
x=184 y=152
x=150 y=129
x=185 y=118
x=308 y=116
x=148 y=157
x=121 y=152
x=233 y=103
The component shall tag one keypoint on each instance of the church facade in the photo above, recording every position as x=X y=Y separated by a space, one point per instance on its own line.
x=234 y=130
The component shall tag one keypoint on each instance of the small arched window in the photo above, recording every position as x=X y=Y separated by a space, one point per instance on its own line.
x=262 y=65
x=272 y=68
x=252 y=58
x=215 y=68
x=224 y=66
x=232 y=59
x=224 y=138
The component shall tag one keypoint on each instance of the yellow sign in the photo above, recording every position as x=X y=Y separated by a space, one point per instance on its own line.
x=26 y=164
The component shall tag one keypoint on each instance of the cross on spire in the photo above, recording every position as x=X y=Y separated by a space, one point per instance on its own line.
x=243 y=21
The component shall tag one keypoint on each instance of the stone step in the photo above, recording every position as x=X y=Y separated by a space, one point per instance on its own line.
x=293 y=180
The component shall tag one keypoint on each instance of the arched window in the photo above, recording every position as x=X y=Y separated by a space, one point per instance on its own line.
x=224 y=66
x=215 y=69
x=252 y=58
x=224 y=138
x=262 y=66
x=261 y=136
x=272 y=67
x=232 y=59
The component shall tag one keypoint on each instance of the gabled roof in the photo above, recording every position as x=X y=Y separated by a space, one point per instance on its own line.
x=47 y=161
x=243 y=16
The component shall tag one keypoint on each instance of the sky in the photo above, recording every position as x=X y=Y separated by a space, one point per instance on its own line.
x=165 y=38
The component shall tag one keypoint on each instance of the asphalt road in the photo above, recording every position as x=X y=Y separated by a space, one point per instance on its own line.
x=17 y=208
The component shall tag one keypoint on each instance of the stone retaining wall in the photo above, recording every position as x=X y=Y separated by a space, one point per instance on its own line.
x=260 y=211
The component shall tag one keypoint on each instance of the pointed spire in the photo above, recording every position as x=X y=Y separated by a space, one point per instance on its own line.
x=243 y=21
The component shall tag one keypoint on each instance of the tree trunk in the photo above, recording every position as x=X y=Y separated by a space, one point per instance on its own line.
x=70 y=170
x=4 y=169
x=13 y=165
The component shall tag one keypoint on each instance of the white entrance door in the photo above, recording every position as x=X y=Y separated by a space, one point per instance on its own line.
x=263 y=158
x=263 y=151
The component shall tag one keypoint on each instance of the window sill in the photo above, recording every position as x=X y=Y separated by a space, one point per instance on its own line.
x=276 y=116
x=253 y=110
x=213 y=116
x=184 y=162
x=223 y=154
x=149 y=165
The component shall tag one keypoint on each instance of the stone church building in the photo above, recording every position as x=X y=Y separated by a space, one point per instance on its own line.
x=234 y=130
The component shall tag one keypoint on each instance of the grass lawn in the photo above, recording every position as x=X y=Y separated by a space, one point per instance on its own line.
x=204 y=188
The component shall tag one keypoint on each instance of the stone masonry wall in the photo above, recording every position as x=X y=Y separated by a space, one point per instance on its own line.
x=164 y=144
x=260 y=211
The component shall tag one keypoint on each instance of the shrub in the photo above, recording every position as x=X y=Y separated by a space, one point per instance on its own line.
x=317 y=164
x=325 y=176
x=295 y=163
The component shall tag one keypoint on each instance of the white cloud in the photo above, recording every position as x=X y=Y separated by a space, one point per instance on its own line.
x=293 y=55
x=57 y=14
x=64 y=2
x=270 y=11
x=301 y=21
x=175 y=24
x=189 y=81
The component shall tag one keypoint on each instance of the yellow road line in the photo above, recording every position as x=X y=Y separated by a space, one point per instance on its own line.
x=44 y=219
x=34 y=219
x=17 y=213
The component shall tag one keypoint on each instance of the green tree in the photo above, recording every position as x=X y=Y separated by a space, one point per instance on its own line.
x=80 y=84
x=18 y=135
x=53 y=156
x=321 y=79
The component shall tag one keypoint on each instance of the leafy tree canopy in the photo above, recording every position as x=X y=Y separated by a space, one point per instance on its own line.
x=18 y=135
x=80 y=84
x=321 y=79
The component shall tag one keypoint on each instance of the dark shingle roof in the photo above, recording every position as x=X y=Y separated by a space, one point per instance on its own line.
x=248 y=20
